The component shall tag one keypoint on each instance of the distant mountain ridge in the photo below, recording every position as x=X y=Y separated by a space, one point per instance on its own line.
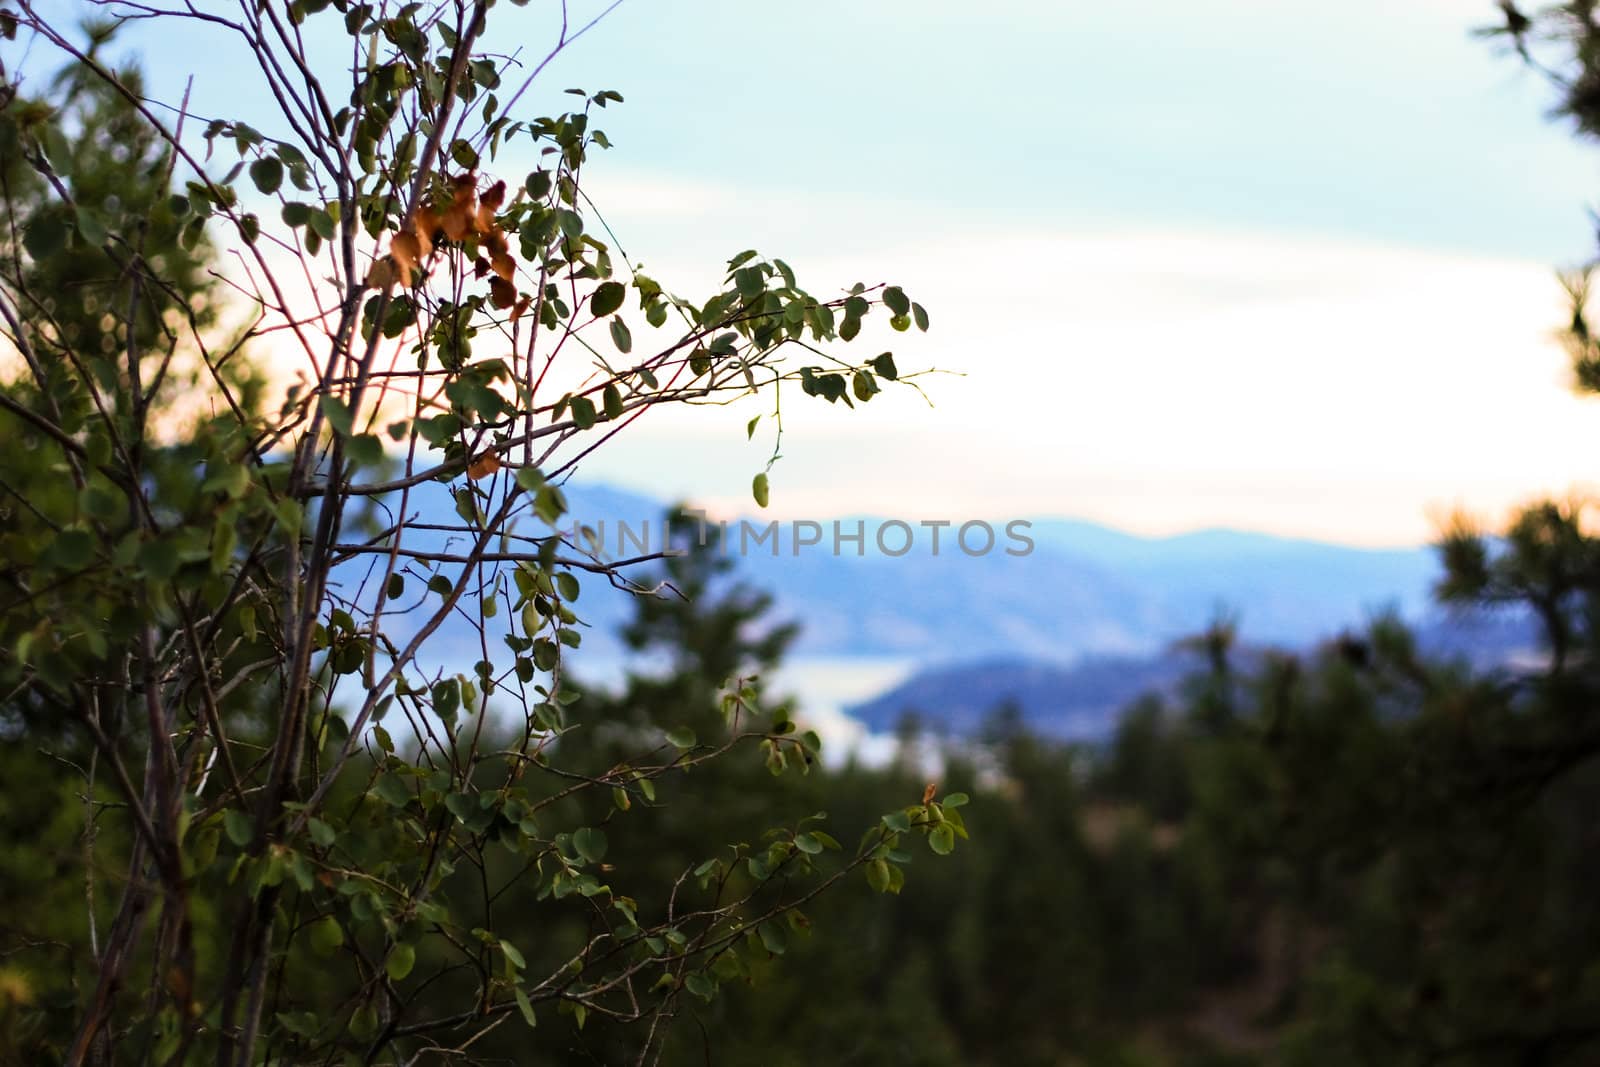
x=1077 y=703
x=1084 y=701
x=1085 y=589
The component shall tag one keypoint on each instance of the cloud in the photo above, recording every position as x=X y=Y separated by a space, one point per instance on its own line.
x=1157 y=379
x=1154 y=378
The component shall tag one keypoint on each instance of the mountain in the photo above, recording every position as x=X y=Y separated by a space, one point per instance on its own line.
x=1076 y=703
x=1083 y=590
x=1284 y=590
x=1083 y=701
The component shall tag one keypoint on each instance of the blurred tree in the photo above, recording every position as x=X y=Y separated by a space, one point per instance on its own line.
x=84 y=139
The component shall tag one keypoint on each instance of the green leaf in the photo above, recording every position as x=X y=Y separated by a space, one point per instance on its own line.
x=878 y=875
x=396 y=586
x=224 y=540
x=513 y=954
x=321 y=832
x=401 y=959
x=608 y=297
x=365 y=449
x=885 y=367
x=826 y=840
x=89 y=229
x=526 y=1009
x=920 y=315
x=393 y=790
x=583 y=413
x=590 y=843
x=267 y=173
x=750 y=282
x=549 y=503
x=237 y=824
x=808 y=844
x=321 y=224
x=203 y=849
x=45 y=235
x=158 y=559
x=462 y=805
x=567 y=585
x=290 y=515
x=681 y=736
x=621 y=337
x=447 y=698
x=363 y=1022
x=759 y=489
x=190 y=237
x=230 y=478
x=467 y=507
x=772 y=938
x=863 y=386
x=101 y=504
x=337 y=414
x=74 y=548
x=613 y=401
x=942 y=839
x=896 y=301
x=750 y=428
x=326 y=935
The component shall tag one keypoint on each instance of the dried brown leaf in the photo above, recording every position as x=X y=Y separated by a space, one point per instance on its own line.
x=406 y=251
x=483 y=466
x=502 y=294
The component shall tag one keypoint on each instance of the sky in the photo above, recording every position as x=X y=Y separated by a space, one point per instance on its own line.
x=1275 y=266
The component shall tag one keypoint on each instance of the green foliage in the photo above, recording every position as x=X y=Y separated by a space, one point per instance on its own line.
x=293 y=820
x=1356 y=855
x=248 y=819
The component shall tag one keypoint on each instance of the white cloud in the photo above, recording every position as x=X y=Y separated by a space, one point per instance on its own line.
x=1157 y=380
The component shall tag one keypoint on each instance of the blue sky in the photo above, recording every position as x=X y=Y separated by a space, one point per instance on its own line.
x=1283 y=266
x=1373 y=119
